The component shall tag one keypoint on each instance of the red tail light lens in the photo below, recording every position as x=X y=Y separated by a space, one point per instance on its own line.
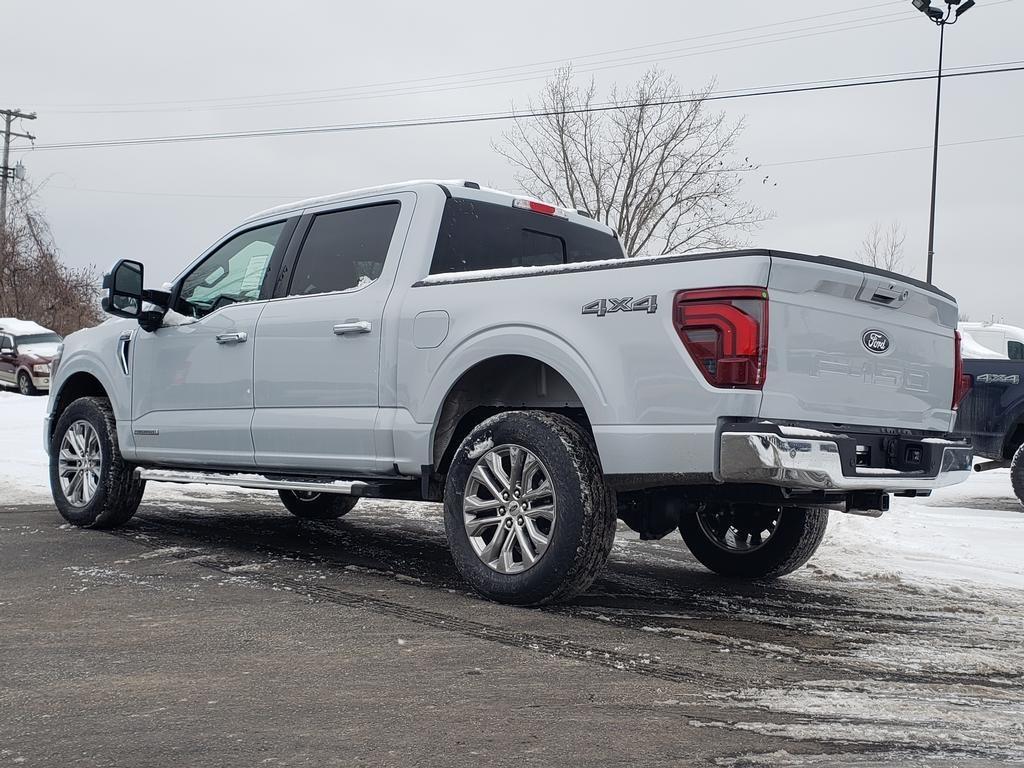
x=962 y=382
x=725 y=330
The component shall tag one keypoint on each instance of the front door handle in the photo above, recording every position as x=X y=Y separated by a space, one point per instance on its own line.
x=353 y=326
x=231 y=338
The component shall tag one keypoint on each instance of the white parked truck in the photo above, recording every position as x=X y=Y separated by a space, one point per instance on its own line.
x=439 y=341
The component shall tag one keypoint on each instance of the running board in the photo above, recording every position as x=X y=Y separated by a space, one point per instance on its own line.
x=240 y=480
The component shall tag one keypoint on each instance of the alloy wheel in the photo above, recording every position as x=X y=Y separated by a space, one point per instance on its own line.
x=739 y=529
x=79 y=463
x=509 y=509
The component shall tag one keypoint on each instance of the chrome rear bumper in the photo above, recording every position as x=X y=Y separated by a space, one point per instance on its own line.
x=815 y=463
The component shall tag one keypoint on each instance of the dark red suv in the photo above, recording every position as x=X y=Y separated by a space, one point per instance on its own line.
x=27 y=351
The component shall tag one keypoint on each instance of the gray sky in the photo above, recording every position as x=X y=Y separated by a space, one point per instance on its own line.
x=128 y=69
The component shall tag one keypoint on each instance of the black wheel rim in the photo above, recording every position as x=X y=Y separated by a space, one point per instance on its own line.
x=739 y=529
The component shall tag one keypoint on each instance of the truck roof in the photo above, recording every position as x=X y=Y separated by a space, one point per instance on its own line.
x=18 y=327
x=450 y=187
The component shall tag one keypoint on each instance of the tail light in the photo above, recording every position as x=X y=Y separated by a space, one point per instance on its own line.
x=725 y=330
x=962 y=382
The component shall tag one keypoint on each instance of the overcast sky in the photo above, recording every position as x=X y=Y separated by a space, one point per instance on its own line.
x=130 y=69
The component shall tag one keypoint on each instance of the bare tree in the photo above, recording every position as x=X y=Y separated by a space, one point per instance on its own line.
x=883 y=248
x=34 y=283
x=652 y=162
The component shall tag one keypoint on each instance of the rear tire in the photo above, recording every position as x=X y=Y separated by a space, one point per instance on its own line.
x=25 y=385
x=546 y=529
x=92 y=485
x=1017 y=473
x=318 y=506
x=731 y=540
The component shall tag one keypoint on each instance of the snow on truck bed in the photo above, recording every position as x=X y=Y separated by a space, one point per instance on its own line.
x=965 y=537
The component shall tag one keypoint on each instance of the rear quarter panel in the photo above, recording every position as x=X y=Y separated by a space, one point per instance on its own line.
x=641 y=390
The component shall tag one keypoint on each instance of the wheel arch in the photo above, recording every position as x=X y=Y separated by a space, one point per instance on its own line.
x=501 y=382
x=78 y=384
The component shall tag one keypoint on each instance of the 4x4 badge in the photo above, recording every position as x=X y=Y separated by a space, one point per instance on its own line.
x=602 y=307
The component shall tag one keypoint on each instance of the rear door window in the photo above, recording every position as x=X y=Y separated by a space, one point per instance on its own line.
x=344 y=249
x=476 y=235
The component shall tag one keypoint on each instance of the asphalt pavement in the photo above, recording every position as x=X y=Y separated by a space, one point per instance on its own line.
x=227 y=633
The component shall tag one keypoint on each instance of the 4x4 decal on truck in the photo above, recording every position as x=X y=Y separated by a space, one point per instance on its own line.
x=999 y=378
x=602 y=307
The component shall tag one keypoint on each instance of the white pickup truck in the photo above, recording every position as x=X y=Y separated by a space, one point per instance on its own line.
x=439 y=341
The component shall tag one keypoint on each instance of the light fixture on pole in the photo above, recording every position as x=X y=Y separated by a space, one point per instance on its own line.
x=953 y=11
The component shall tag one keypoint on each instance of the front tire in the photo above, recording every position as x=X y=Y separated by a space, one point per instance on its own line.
x=317 y=506
x=92 y=485
x=526 y=511
x=1017 y=473
x=751 y=541
x=25 y=385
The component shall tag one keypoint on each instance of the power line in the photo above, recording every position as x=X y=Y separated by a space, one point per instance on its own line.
x=505 y=116
x=228 y=101
x=759 y=167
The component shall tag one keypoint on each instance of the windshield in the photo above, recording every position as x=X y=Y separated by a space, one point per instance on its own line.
x=38 y=338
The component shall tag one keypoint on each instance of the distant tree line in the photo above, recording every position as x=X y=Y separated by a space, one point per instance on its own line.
x=34 y=283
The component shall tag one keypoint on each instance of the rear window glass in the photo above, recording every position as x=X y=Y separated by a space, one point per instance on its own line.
x=476 y=235
x=1016 y=350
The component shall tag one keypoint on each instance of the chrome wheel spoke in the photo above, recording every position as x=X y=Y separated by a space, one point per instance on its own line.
x=483 y=475
x=540 y=541
x=546 y=511
x=490 y=553
x=478 y=525
x=79 y=460
x=507 y=532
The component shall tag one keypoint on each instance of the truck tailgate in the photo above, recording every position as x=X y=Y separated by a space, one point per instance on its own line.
x=849 y=346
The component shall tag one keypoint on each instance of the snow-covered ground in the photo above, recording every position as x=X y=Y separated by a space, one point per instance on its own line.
x=968 y=536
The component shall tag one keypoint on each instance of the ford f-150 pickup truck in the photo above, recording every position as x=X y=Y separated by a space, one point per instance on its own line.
x=439 y=341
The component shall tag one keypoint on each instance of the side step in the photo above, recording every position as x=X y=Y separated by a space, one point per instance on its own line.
x=241 y=480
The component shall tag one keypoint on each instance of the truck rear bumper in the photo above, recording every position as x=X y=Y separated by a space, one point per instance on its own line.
x=813 y=460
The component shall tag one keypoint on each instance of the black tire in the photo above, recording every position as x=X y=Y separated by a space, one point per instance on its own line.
x=796 y=537
x=118 y=492
x=582 y=533
x=1017 y=473
x=318 y=506
x=25 y=385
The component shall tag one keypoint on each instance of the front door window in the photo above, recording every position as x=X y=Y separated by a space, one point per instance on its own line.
x=231 y=274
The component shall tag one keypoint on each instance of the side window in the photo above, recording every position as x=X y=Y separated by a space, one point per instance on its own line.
x=231 y=274
x=344 y=249
x=1015 y=350
x=6 y=342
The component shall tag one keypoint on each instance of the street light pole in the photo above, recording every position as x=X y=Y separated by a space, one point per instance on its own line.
x=935 y=159
x=954 y=10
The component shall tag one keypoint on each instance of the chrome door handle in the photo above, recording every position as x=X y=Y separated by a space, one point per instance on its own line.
x=354 y=326
x=231 y=338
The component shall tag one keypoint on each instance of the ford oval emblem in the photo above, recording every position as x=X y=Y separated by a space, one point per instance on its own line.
x=875 y=342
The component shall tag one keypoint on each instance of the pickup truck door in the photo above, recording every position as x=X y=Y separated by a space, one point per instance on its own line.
x=318 y=346
x=192 y=378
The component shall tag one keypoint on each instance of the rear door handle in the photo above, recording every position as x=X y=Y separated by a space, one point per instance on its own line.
x=231 y=338
x=353 y=326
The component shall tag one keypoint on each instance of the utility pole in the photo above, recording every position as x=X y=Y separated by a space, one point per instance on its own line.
x=10 y=115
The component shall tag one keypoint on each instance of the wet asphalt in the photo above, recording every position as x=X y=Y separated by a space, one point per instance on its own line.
x=224 y=632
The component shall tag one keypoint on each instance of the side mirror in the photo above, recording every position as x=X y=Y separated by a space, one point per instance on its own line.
x=124 y=289
x=7 y=351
